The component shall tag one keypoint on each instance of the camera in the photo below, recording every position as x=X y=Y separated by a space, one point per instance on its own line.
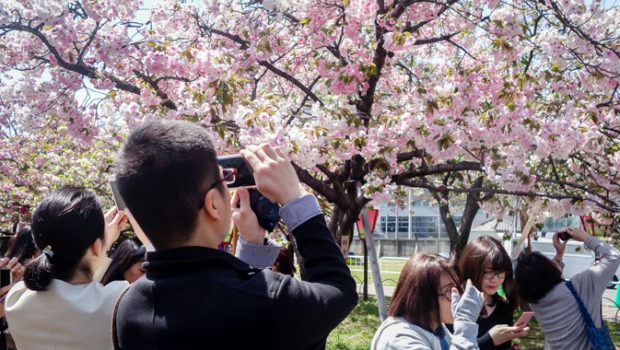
x=563 y=235
x=267 y=212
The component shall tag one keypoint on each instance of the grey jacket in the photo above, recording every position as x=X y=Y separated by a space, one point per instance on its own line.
x=558 y=313
x=396 y=333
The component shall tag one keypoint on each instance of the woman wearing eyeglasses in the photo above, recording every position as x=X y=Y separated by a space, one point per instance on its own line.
x=489 y=267
x=426 y=297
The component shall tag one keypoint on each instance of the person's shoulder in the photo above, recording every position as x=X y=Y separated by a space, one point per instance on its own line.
x=397 y=333
x=115 y=287
x=400 y=326
x=16 y=294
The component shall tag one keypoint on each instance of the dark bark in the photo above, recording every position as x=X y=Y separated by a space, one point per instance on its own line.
x=469 y=213
x=458 y=236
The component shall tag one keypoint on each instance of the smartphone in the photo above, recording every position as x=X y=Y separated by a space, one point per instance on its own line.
x=524 y=319
x=118 y=200
x=5 y=277
x=244 y=177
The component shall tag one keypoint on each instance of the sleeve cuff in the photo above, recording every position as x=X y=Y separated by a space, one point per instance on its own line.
x=486 y=342
x=257 y=255
x=300 y=210
x=592 y=242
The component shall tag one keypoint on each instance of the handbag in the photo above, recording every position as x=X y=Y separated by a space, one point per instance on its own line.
x=599 y=337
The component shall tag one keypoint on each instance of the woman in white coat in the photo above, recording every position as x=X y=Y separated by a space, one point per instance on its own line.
x=58 y=306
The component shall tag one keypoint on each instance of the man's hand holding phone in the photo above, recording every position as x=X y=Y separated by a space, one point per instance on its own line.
x=274 y=174
x=245 y=219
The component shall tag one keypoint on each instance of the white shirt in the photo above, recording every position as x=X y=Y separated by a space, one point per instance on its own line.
x=66 y=316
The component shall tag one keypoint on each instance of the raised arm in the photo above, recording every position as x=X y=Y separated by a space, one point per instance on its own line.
x=599 y=274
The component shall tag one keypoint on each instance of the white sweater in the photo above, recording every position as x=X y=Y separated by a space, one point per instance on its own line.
x=66 y=316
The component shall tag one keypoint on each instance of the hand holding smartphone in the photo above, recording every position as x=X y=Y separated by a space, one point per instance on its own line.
x=244 y=176
x=118 y=200
x=524 y=319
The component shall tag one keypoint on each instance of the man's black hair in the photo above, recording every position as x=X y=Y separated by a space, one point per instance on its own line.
x=163 y=171
x=535 y=276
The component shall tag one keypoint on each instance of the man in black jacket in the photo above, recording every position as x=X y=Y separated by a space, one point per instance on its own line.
x=194 y=296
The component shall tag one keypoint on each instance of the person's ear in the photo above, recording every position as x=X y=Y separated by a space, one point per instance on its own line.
x=213 y=204
x=96 y=247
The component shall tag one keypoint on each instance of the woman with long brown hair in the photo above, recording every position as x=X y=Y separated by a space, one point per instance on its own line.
x=486 y=263
x=426 y=297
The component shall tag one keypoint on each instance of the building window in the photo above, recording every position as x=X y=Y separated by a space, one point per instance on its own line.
x=403 y=227
x=424 y=226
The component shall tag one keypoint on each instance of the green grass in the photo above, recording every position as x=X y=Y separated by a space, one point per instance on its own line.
x=390 y=271
x=357 y=330
x=389 y=279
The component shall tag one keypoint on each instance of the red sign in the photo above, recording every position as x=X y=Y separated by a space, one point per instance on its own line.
x=373 y=214
x=592 y=227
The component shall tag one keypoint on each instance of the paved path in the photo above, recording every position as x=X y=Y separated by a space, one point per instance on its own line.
x=609 y=309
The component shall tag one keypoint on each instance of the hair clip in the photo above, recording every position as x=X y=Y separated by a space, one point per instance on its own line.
x=48 y=252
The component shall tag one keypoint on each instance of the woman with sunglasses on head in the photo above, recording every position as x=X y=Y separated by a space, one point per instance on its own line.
x=426 y=297
x=485 y=262
x=127 y=259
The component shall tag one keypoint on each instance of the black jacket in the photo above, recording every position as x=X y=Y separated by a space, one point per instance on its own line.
x=201 y=298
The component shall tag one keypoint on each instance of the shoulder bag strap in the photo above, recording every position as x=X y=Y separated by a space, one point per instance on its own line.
x=114 y=332
x=584 y=312
x=605 y=338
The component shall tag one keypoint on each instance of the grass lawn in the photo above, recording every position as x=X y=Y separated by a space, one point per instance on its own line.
x=390 y=270
x=357 y=330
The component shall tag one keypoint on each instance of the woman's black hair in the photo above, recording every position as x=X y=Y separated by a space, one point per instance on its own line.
x=535 y=275
x=127 y=253
x=64 y=225
x=23 y=247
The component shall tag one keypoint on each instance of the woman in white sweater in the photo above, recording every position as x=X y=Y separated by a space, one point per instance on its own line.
x=426 y=297
x=58 y=306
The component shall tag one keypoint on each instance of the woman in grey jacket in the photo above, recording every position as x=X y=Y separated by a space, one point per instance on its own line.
x=426 y=297
x=539 y=281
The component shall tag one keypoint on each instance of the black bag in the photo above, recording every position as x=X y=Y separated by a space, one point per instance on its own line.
x=599 y=337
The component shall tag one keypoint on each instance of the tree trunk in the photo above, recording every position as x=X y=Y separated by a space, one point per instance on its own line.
x=459 y=237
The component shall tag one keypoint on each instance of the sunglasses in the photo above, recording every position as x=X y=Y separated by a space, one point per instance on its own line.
x=229 y=176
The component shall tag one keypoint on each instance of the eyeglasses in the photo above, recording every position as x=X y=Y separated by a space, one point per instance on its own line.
x=490 y=275
x=447 y=294
x=447 y=291
x=229 y=176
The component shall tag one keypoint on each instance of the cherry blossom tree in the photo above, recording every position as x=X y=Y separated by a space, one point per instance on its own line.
x=475 y=101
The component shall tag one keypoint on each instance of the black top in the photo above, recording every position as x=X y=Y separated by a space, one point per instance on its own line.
x=501 y=315
x=202 y=298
